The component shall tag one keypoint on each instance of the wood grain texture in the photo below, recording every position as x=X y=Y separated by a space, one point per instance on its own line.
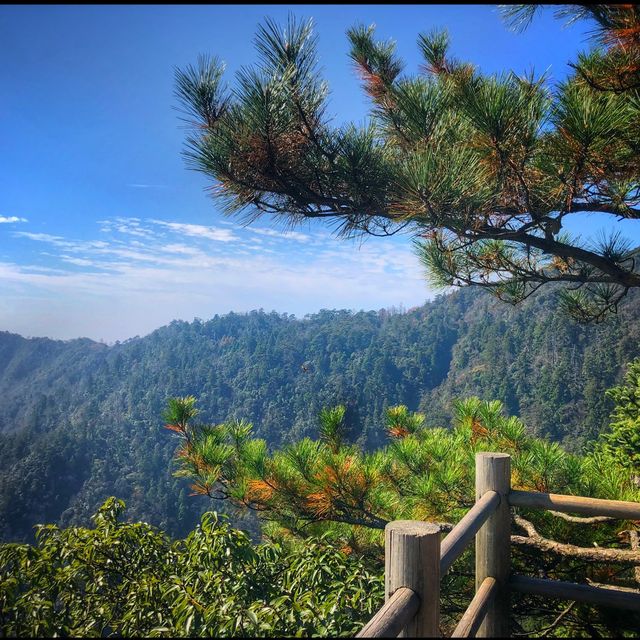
x=493 y=542
x=462 y=534
x=393 y=616
x=579 y=592
x=474 y=615
x=590 y=554
x=412 y=559
x=575 y=504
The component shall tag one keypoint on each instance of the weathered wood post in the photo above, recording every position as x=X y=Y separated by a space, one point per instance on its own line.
x=412 y=559
x=493 y=542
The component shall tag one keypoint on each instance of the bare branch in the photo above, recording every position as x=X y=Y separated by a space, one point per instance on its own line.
x=580 y=520
x=596 y=554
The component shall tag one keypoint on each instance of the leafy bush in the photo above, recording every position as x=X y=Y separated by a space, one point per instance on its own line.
x=124 y=579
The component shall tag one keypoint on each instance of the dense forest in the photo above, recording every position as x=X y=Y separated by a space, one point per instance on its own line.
x=310 y=436
x=81 y=421
x=318 y=567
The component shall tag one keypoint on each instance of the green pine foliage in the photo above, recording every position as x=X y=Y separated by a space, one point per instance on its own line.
x=622 y=440
x=323 y=502
x=482 y=170
x=334 y=489
x=327 y=485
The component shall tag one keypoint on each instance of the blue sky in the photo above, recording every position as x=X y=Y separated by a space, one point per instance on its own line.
x=103 y=231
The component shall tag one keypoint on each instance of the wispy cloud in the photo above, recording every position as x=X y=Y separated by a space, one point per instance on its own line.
x=11 y=219
x=285 y=235
x=58 y=241
x=129 y=226
x=80 y=262
x=42 y=237
x=199 y=231
x=143 y=273
x=180 y=249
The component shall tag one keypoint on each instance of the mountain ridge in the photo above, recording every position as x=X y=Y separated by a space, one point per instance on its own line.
x=81 y=420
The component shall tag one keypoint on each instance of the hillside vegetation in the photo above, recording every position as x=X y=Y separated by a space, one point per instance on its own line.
x=318 y=568
x=79 y=420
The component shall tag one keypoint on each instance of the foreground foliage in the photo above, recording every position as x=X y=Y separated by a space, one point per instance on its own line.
x=121 y=579
x=323 y=504
x=622 y=441
x=423 y=473
x=333 y=488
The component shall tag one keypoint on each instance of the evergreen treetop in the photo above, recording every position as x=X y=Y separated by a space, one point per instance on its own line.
x=482 y=170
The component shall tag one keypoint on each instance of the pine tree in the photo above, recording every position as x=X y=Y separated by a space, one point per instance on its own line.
x=483 y=171
x=623 y=438
x=335 y=489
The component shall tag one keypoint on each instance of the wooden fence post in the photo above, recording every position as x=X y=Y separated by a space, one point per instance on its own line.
x=412 y=559
x=493 y=542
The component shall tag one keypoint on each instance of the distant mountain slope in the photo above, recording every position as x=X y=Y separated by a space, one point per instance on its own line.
x=80 y=420
x=548 y=370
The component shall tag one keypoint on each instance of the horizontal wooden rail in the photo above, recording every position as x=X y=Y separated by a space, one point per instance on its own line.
x=415 y=558
x=393 y=616
x=463 y=533
x=474 y=615
x=580 y=592
x=575 y=504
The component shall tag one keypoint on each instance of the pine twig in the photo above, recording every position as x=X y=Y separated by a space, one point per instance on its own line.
x=579 y=520
x=596 y=554
x=557 y=621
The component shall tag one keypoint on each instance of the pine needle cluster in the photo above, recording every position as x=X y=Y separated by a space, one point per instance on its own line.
x=482 y=170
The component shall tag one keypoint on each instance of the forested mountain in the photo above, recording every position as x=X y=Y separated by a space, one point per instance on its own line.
x=80 y=420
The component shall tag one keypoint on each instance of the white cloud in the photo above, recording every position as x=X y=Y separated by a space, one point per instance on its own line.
x=80 y=262
x=180 y=248
x=286 y=235
x=43 y=237
x=129 y=284
x=199 y=231
x=127 y=226
x=58 y=241
x=11 y=219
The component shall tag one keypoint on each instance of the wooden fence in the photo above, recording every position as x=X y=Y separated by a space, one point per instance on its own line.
x=415 y=559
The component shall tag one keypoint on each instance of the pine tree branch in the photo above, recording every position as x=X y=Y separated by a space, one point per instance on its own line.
x=609 y=267
x=613 y=587
x=557 y=621
x=536 y=541
x=580 y=520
